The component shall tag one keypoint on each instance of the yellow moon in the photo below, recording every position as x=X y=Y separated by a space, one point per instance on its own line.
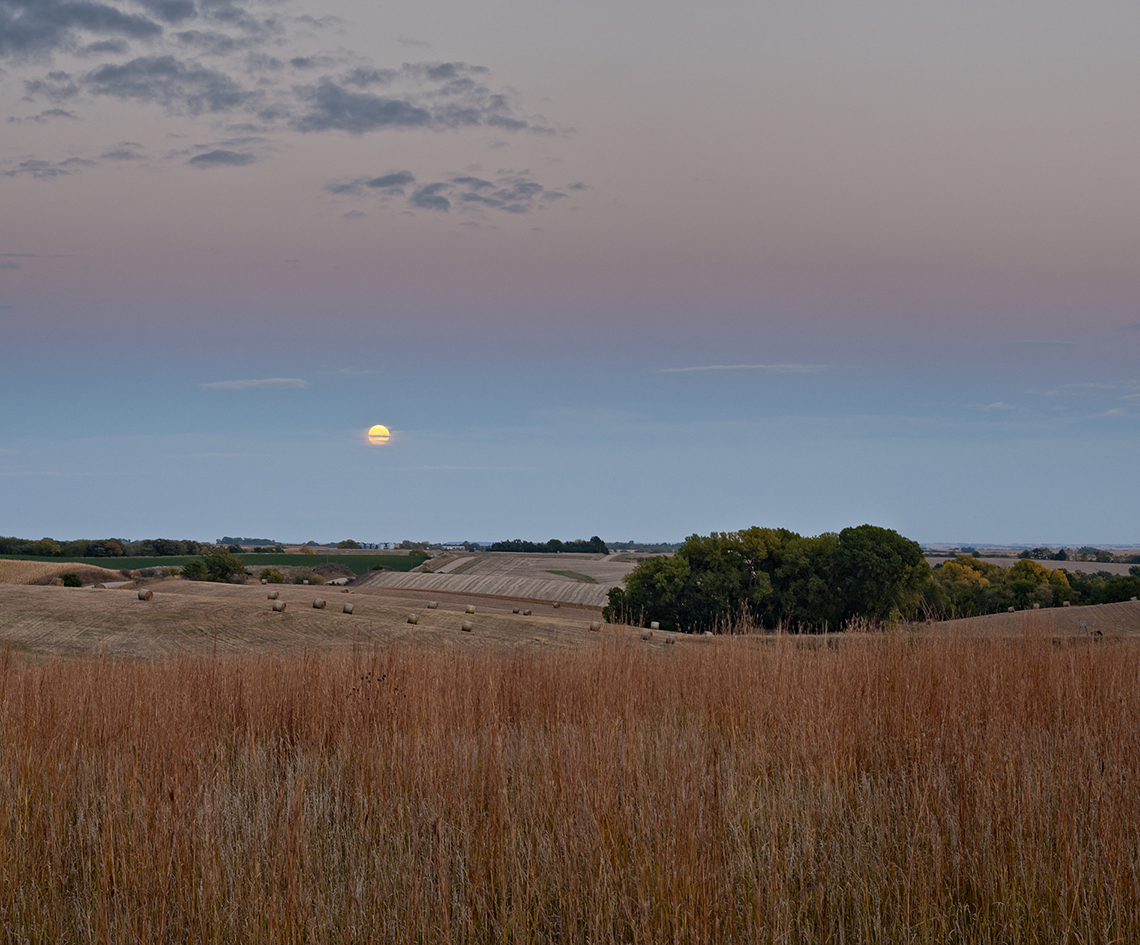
x=378 y=434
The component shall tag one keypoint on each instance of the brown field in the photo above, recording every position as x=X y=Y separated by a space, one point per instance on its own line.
x=333 y=778
x=31 y=572
x=547 y=577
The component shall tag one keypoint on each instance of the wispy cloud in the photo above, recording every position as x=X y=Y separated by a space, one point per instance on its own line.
x=999 y=406
x=770 y=368
x=471 y=469
x=262 y=383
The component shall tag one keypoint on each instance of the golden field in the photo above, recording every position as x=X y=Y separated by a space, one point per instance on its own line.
x=898 y=787
x=13 y=571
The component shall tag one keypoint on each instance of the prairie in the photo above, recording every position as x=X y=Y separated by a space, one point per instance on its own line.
x=890 y=787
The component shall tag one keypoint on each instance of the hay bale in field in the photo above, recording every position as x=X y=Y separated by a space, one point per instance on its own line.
x=526 y=613
x=1069 y=603
x=556 y=604
x=348 y=608
x=595 y=625
x=1036 y=606
x=433 y=604
x=646 y=634
x=654 y=625
x=319 y=604
x=273 y=595
x=1011 y=609
x=709 y=633
x=470 y=608
x=514 y=610
x=467 y=626
x=278 y=606
x=264 y=580
x=413 y=619
x=670 y=638
x=146 y=594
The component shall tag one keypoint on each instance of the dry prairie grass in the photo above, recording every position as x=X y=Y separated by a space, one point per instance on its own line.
x=13 y=571
x=873 y=789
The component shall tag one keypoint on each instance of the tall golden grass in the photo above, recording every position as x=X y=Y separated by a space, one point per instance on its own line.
x=876 y=789
x=14 y=571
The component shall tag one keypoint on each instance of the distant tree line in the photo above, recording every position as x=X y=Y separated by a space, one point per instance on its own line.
x=595 y=546
x=99 y=548
x=1085 y=553
x=777 y=578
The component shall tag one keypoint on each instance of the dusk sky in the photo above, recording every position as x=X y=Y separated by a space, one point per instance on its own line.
x=627 y=269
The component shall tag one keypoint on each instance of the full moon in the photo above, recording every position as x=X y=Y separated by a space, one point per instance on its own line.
x=378 y=434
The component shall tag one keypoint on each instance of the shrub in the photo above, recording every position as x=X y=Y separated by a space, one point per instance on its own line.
x=311 y=576
x=72 y=580
x=272 y=575
x=194 y=570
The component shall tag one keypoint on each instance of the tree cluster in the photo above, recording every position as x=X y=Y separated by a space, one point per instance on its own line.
x=966 y=587
x=595 y=546
x=775 y=577
x=215 y=564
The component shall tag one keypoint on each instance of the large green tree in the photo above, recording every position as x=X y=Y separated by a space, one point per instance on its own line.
x=776 y=577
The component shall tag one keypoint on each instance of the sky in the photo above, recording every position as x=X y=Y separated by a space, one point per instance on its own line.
x=617 y=268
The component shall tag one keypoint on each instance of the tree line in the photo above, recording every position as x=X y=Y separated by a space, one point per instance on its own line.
x=595 y=546
x=99 y=548
x=774 y=577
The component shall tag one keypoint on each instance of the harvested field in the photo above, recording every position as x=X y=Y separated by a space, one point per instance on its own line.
x=198 y=616
x=605 y=569
x=502 y=585
x=14 y=571
x=566 y=578
x=882 y=788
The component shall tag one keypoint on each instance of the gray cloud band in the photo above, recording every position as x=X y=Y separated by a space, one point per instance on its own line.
x=510 y=192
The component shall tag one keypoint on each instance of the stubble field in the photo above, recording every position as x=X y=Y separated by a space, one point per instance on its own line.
x=536 y=782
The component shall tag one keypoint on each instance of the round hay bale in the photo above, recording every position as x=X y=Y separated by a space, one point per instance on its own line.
x=595 y=625
x=654 y=625
x=264 y=580
x=146 y=594
x=709 y=633
x=556 y=604
x=514 y=610
x=467 y=626
x=433 y=604
x=470 y=608
x=646 y=634
x=1067 y=603
x=1036 y=606
x=278 y=606
x=413 y=618
x=305 y=581
x=348 y=608
x=526 y=613
x=670 y=638
x=318 y=604
x=273 y=595
x=1011 y=609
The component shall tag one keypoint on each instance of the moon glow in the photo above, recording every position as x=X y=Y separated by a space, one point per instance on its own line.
x=378 y=435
